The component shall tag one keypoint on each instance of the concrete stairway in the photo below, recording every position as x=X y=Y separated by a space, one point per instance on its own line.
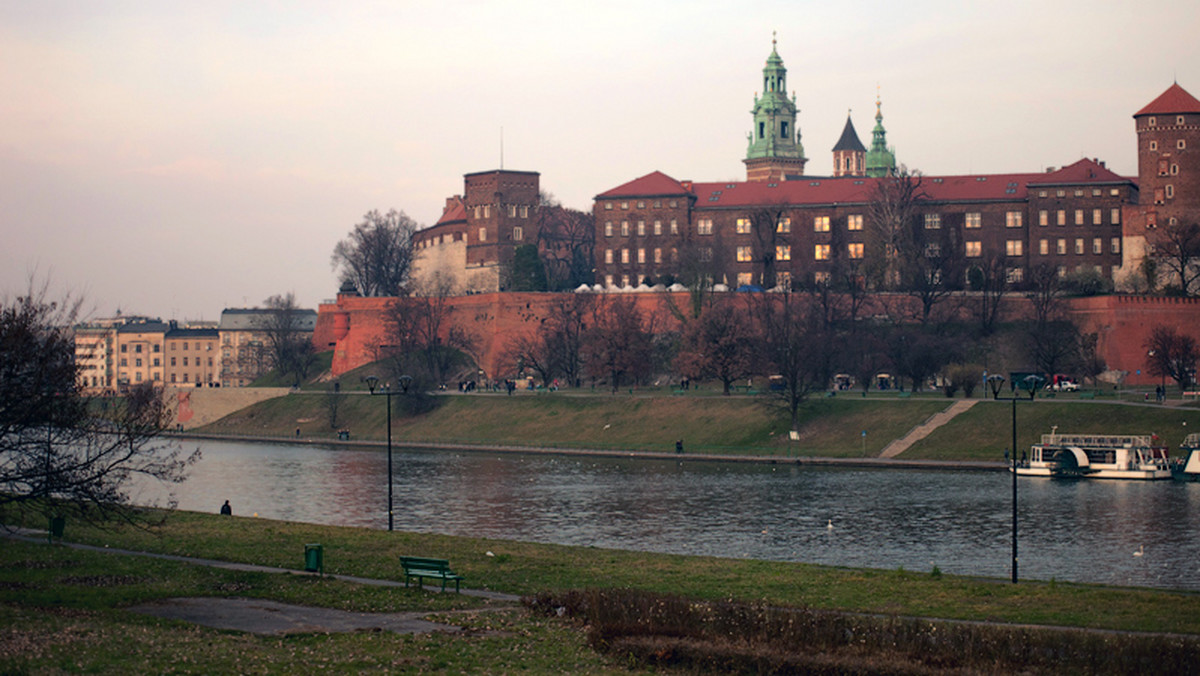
x=926 y=428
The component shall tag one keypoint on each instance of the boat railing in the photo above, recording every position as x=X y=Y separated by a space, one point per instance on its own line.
x=1099 y=440
x=1192 y=440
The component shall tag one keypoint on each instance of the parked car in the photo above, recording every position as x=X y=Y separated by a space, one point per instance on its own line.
x=1065 y=385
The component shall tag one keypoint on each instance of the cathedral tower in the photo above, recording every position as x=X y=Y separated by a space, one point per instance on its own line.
x=849 y=153
x=880 y=160
x=774 y=152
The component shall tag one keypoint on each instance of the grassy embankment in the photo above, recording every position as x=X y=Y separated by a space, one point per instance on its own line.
x=61 y=609
x=830 y=427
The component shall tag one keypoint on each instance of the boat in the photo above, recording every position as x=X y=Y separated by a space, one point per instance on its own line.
x=1098 y=456
x=1187 y=467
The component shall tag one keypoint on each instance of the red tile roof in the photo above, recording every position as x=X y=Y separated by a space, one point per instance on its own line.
x=454 y=212
x=1174 y=100
x=852 y=190
x=654 y=183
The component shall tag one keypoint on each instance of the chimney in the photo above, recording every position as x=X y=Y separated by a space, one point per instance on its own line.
x=1049 y=170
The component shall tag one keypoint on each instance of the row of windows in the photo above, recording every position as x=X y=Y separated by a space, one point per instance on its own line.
x=673 y=228
x=1060 y=217
x=514 y=210
x=641 y=255
x=1078 y=192
x=1179 y=145
x=642 y=205
x=1153 y=121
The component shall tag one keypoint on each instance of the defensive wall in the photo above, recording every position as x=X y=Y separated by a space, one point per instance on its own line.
x=355 y=328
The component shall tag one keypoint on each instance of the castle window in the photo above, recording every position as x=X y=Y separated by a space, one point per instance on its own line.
x=1181 y=144
x=608 y=281
x=1115 y=245
x=1060 y=247
x=1153 y=122
x=672 y=204
x=641 y=228
x=783 y=252
x=1043 y=217
x=658 y=227
x=1163 y=167
x=933 y=249
x=1097 y=245
x=854 y=222
x=821 y=252
x=1079 y=192
x=762 y=126
x=625 y=206
x=855 y=250
x=1097 y=216
x=641 y=256
x=608 y=229
x=743 y=226
x=658 y=255
x=1014 y=275
x=524 y=211
x=1174 y=169
x=1170 y=192
x=704 y=226
x=933 y=221
x=1012 y=219
x=1060 y=193
x=483 y=234
x=1116 y=216
x=1115 y=192
x=744 y=254
x=487 y=211
x=657 y=204
x=1062 y=217
x=608 y=206
x=624 y=228
x=1014 y=247
x=477 y=211
x=518 y=233
x=512 y=211
x=1079 y=217
x=783 y=225
x=1044 y=247
x=821 y=277
x=974 y=220
x=821 y=224
x=974 y=249
x=783 y=129
x=624 y=281
x=744 y=279
x=1179 y=120
x=706 y=254
x=608 y=256
x=641 y=204
x=624 y=255
x=1041 y=193
x=1095 y=192
x=674 y=227
x=1078 y=246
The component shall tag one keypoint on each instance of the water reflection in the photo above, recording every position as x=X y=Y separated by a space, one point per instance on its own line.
x=958 y=521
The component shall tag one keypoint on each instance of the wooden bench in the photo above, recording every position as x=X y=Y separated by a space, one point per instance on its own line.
x=420 y=567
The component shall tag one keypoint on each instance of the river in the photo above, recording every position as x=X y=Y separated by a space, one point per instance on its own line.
x=958 y=521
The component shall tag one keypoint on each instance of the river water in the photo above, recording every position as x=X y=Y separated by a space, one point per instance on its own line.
x=959 y=521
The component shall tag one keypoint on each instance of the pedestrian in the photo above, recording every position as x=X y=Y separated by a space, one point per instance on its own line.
x=226 y=510
x=297 y=432
x=679 y=446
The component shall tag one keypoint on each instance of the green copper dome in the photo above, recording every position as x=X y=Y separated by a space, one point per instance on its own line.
x=881 y=161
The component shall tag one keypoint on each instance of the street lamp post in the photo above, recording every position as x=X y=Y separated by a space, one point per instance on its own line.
x=386 y=391
x=1032 y=382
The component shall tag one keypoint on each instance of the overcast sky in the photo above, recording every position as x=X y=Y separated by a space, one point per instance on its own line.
x=177 y=158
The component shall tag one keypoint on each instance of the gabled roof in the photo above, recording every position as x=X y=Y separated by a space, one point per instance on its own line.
x=1174 y=100
x=455 y=211
x=849 y=139
x=654 y=183
x=1083 y=171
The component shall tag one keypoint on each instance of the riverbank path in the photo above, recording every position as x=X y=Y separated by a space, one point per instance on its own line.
x=926 y=428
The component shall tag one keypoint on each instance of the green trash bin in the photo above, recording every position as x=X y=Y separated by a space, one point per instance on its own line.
x=314 y=558
x=57 y=524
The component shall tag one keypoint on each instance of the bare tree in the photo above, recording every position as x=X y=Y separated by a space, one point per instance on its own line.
x=289 y=339
x=796 y=348
x=424 y=337
x=557 y=346
x=1171 y=354
x=376 y=257
x=566 y=239
x=57 y=453
x=719 y=344
x=1177 y=249
x=771 y=230
x=617 y=343
x=892 y=215
x=989 y=281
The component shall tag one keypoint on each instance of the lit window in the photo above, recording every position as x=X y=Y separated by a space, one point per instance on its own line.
x=608 y=206
x=1062 y=217
x=1115 y=245
x=608 y=280
x=1078 y=246
x=674 y=227
x=933 y=249
x=518 y=233
x=1181 y=144
x=1115 y=216
x=512 y=211
x=744 y=279
x=1170 y=192
x=1097 y=216
x=641 y=228
x=783 y=279
x=608 y=256
x=1043 y=217
x=624 y=228
x=783 y=252
x=525 y=211
x=1095 y=192
x=743 y=226
x=855 y=250
x=974 y=220
x=821 y=252
x=704 y=226
x=658 y=255
x=1044 y=247
x=1079 y=217
x=487 y=211
x=1014 y=275
x=672 y=204
x=608 y=229
x=1012 y=219
x=784 y=225
x=1154 y=145
x=658 y=227
x=1060 y=193
x=821 y=224
x=1097 y=245
x=933 y=221
x=641 y=205
x=624 y=255
x=1061 y=247
x=483 y=234
x=744 y=254
x=641 y=256
x=1078 y=192
x=625 y=206
x=854 y=222
x=974 y=249
x=1014 y=247
x=821 y=277
x=624 y=280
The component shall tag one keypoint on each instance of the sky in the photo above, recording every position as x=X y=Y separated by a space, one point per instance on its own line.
x=177 y=158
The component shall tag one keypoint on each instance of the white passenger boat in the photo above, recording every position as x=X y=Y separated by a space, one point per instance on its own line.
x=1098 y=456
x=1187 y=468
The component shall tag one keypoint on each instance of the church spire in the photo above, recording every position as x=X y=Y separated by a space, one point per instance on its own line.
x=774 y=151
x=881 y=161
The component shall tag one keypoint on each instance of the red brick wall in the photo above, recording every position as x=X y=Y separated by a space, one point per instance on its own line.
x=1125 y=322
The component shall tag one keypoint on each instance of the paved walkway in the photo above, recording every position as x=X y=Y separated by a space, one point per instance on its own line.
x=926 y=428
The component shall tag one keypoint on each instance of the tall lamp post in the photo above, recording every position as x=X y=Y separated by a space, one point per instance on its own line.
x=996 y=382
x=386 y=391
